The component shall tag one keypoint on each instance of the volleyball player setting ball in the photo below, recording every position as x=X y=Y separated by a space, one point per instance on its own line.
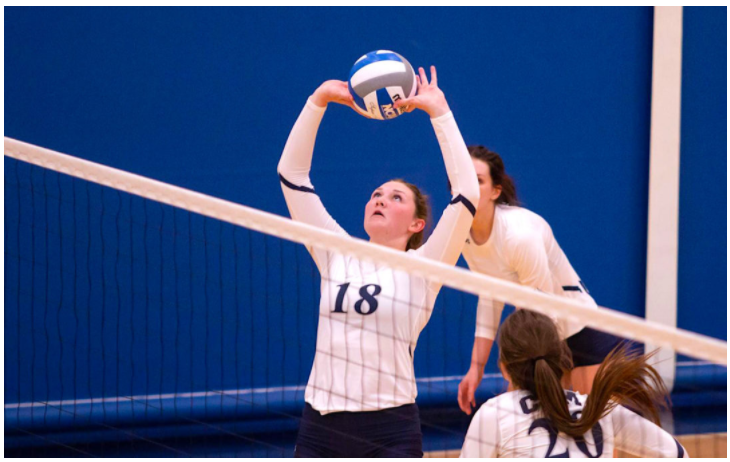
x=512 y=243
x=541 y=419
x=360 y=397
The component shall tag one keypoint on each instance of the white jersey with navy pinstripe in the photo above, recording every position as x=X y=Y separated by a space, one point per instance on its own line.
x=370 y=316
x=522 y=249
x=511 y=425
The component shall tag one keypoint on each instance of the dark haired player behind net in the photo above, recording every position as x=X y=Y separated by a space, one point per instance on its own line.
x=515 y=244
x=541 y=419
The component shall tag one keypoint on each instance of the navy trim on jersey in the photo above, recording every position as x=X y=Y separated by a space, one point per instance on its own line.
x=291 y=185
x=469 y=206
x=572 y=289
x=680 y=449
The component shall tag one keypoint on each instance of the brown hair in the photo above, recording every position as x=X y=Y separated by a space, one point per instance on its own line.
x=423 y=211
x=496 y=171
x=536 y=358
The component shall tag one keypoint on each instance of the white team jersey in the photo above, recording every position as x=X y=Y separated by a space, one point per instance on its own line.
x=511 y=425
x=522 y=249
x=370 y=317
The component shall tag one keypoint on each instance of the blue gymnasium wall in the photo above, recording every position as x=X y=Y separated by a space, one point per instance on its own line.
x=702 y=272
x=205 y=99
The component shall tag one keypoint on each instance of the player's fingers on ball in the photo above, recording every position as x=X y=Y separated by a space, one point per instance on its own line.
x=407 y=105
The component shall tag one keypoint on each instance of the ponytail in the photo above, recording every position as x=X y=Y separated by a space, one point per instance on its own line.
x=626 y=378
x=551 y=397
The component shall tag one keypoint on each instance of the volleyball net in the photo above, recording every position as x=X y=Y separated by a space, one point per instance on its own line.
x=142 y=318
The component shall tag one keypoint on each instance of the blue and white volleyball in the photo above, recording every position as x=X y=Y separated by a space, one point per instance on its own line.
x=379 y=79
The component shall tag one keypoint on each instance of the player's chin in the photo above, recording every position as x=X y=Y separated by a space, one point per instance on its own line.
x=376 y=225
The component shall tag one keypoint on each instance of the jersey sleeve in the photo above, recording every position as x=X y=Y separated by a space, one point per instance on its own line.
x=294 y=166
x=489 y=313
x=640 y=437
x=482 y=438
x=447 y=239
x=529 y=259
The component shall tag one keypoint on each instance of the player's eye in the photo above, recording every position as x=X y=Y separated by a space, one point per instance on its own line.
x=398 y=198
x=376 y=194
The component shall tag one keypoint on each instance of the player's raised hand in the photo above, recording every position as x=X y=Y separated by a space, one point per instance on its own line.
x=333 y=91
x=429 y=97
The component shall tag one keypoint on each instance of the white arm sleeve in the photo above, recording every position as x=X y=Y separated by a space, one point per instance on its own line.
x=640 y=437
x=296 y=161
x=447 y=239
x=489 y=313
x=482 y=438
x=530 y=261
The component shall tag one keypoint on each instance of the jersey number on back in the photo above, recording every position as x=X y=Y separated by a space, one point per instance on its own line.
x=365 y=296
x=596 y=431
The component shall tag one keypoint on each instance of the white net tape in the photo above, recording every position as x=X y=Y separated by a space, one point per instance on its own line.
x=607 y=320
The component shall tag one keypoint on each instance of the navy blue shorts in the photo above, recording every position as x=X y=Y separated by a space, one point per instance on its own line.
x=590 y=346
x=394 y=432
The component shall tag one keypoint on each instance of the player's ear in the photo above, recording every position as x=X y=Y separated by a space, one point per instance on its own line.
x=496 y=191
x=417 y=225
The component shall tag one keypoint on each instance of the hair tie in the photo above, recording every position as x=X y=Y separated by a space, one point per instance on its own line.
x=535 y=360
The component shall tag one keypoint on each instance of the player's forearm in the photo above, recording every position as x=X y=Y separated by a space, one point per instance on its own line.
x=459 y=166
x=489 y=313
x=480 y=353
x=296 y=160
x=452 y=229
